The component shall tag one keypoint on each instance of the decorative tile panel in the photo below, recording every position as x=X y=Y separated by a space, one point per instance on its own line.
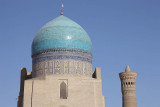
x=62 y=54
x=62 y=67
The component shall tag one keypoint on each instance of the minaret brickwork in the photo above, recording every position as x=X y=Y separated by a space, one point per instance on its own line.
x=128 y=88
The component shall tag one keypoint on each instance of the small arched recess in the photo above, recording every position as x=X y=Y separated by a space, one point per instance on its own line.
x=63 y=91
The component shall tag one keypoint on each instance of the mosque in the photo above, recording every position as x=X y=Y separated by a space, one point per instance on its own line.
x=62 y=74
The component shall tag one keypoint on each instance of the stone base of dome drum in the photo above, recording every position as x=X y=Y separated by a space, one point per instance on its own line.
x=81 y=91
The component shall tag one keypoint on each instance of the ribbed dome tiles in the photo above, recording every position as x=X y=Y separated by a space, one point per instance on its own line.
x=61 y=33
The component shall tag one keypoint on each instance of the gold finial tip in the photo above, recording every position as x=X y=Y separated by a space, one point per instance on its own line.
x=62 y=6
x=61 y=12
x=127 y=69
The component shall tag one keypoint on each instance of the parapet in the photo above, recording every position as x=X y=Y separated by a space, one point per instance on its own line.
x=97 y=73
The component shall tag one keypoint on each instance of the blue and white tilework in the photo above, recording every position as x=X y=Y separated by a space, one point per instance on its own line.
x=62 y=47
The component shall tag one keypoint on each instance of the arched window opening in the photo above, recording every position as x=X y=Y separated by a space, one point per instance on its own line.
x=131 y=84
x=63 y=90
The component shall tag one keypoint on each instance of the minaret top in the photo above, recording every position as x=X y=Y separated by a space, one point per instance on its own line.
x=62 y=6
x=127 y=69
x=127 y=74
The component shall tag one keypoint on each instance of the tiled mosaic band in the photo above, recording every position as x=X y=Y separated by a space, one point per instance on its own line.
x=62 y=54
x=62 y=61
x=62 y=67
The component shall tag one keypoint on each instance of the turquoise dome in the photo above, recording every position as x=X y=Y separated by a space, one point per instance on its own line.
x=61 y=33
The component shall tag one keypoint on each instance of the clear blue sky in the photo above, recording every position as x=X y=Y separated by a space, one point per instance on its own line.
x=122 y=32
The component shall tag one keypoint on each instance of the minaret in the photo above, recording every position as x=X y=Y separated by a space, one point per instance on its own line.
x=128 y=87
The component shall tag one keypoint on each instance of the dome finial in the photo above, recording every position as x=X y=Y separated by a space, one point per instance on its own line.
x=127 y=69
x=62 y=6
